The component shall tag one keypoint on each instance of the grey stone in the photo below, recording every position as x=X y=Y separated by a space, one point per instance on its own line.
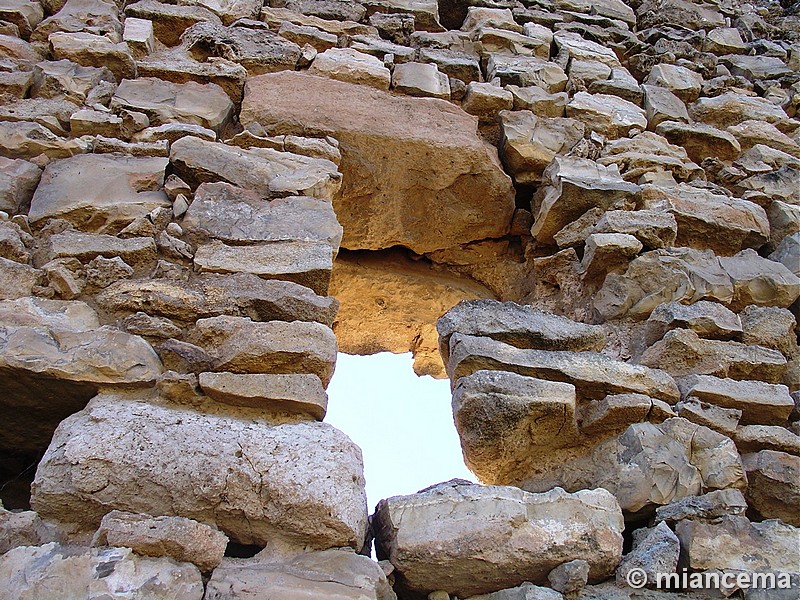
x=707 y=507
x=708 y=319
x=773 y=488
x=569 y=577
x=656 y=552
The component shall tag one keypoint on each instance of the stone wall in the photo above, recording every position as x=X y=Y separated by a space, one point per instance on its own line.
x=585 y=214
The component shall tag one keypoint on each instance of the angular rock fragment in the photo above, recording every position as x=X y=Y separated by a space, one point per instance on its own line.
x=518 y=325
x=760 y=402
x=614 y=412
x=100 y=193
x=773 y=488
x=707 y=507
x=240 y=345
x=183 y=539
x=731 y=109
x=759 y=281
x=700 y=141
x=87 y=246
x=18 y=181
x=55 y=571
x=721 y=420
x=419 y=79
x=594 y=375
x=422 y=175
x=606 y=252
x=660 y=105
x=526 y=71
x=657 y=552
x=170 y=20
x=707 y=319
x=753 y=438
x=92 y=50
x=301 y=484
x=654 y=229
x=351 y=66
x=608 y=115
x=437 y=539
x=682 y=82
x=573 y=186
x=28 y=140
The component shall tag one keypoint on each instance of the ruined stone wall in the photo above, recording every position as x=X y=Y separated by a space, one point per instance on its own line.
x=586 y=215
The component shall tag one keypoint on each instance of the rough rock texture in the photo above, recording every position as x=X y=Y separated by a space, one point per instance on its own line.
x=95 y=465
x=435 y=542
x=412 y=159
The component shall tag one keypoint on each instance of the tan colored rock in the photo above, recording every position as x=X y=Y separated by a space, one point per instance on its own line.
x=18 y=181
x=295 y=393
x=724 y=40
x=170 y=20
x=754 y=438
x=608 y=115
x=654 y=229
x=267 y=171
x=682 y=82
x=573 y=186
x=89 y=16
x=438 y=538
x=54 y=571
x=100 y=193
x=525 y=71
x=760 y=402
x=420 y=79
x=17 y=280
x=23 y=528
x=660 y=104
x=138 y=34
x=183 y=539
x=240 y=345
x=338 y=573
x=770 y=327
x=87 y=246
x=575 y=47
x=751 y=133
x=760 y=281
x=721 y=420
x=710 y=221
x=732 y=109
x=505 y=420
x=92 y=50
x=538 y=101
x=773 y=485
x=518 y=325
x=210 y=295
x=25 y=14
x=406 y=175
x=351 y=66
x=700 y=140
x=28 y=140
x=593 y=375
x=530 y=143
x=301 y=484
x=64 y=78
x=736 y=544
x=605 y=252
x=306 y=263
x=616 y=411
x=164 y=102
x=485 y=100
x=707 y=507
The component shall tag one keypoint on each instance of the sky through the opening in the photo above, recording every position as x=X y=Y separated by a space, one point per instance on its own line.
x=403 y=423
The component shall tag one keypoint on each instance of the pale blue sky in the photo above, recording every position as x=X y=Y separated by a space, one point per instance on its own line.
x=403 y=423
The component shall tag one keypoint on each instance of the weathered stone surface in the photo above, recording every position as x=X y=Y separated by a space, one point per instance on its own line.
x=299 y=483
x=28 y=140
x=682 y=82
x=773 y=488
x=707 y=319
x=682 y=352
x=90 y=16
x=211 y=295
x=654 y=229
x=438 y=539
x=87 y=246
x=788 y=253
x=569 y=578
x=594 y=375
x=336 y=574
x=92 y=50
x=240 y=345
x=270 y=172
x=573 y=186
x=700 y=141
x=707 y=507
x=518 y=325
x=721 y=420
x=660 y=104
x=759 y=281
x=753 y=438
x=614 y=412
x=164 y=102
x=16 y=279
x=100 y=193
x=756 y=67
x=170 y=20
x=236 y=215
x=734 y=543
x=183 y=539
x=771 y=327
x=25 y=14
x=305 y=263
x=538 y=101
x=526 y=591
x=18 y=180
x=257 y=50
x=604 y=252
x=420 y=79
x=752 y=133
x=504 y=420
x=731 y=109
x=608 y=115
x=647 y=465
x=292 y=393
x=351 y=66
x=530 y=143
x=54 y=571
x=138 y=34
x=760 y=402
x=657 y=551
x=473 y=201
x=485 y=100
x=23 y=528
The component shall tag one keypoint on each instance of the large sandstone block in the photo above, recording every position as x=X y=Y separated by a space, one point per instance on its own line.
x=594 y=375
x=419 y=176
x=774 y=485
x=468 y=539
x=54 y=571
x=300 y=484
x=337 y=574
x=100 y=193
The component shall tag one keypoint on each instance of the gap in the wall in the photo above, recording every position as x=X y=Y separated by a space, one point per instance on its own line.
x=403 y=423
